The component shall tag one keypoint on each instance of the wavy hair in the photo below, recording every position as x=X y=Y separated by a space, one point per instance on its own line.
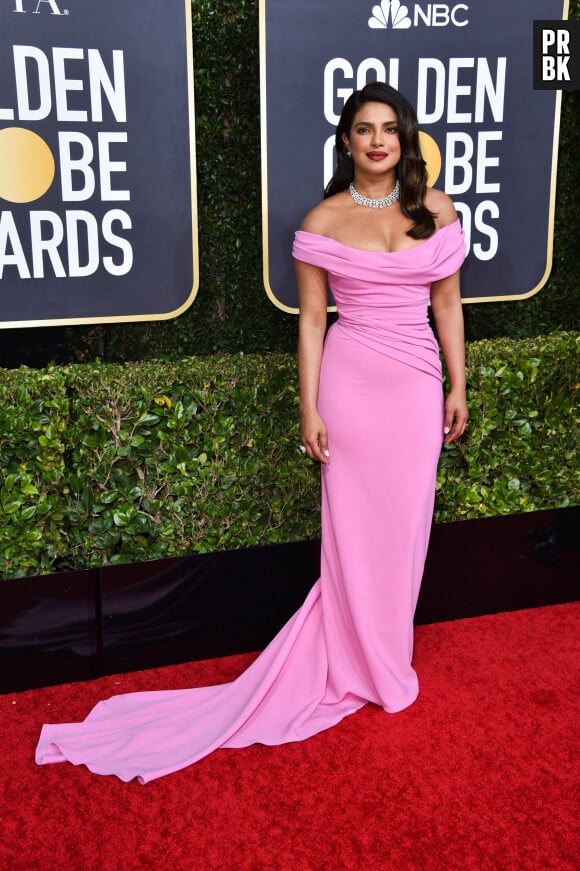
x=411 y=170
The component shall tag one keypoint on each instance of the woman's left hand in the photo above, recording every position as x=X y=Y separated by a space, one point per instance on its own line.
x=456 y=416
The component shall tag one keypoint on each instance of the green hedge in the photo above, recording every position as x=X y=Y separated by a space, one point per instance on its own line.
x=232 y=312
x=108 y=463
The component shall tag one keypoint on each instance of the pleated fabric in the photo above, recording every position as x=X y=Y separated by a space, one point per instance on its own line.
x=351 y=642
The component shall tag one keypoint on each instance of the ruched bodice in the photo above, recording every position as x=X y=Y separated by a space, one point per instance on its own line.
x=382 y=296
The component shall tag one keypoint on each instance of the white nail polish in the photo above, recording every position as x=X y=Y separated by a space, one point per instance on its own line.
x=446 y=430
x=327 y=453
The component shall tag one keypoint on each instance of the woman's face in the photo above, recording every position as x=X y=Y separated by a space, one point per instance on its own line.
x=374 y=138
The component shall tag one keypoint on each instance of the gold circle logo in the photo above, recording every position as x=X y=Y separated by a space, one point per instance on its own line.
x=26 y=165
x=431 y=156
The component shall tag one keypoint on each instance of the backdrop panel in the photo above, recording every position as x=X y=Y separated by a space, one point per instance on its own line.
x=489 y=138
x=97 y=172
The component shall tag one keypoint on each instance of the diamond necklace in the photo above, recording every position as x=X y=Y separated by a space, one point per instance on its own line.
x=375 y=204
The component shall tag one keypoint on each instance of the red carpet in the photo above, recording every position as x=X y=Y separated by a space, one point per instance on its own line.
x=480 y=773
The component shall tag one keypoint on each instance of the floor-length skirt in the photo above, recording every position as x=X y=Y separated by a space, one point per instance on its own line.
x=351 y=642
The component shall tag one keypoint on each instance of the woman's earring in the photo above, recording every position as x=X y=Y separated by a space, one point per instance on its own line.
x=348 y=154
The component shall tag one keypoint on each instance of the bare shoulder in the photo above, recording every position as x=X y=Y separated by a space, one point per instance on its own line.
x=442 y=207
x=321 y=219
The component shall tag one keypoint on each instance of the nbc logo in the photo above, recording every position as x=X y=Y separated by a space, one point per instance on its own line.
x=392 y=9
x=394 y=14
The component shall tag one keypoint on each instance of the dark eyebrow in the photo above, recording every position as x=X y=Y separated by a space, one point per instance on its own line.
x=393 y=123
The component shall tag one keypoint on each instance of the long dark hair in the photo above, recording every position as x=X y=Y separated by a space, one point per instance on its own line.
x=411 y=170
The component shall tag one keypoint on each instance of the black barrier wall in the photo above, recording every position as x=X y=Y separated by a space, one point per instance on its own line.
x=80 y=625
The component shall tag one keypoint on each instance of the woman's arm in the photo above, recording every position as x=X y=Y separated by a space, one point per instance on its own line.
x=312 y=299
x=448 y=314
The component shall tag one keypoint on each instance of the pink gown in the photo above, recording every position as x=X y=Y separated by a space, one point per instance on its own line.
x=351 y=642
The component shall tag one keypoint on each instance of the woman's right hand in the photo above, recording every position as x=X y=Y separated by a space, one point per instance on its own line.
x=314 y=436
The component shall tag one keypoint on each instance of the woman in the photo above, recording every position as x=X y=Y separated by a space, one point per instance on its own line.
x=371 y=404
x=372 y=414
